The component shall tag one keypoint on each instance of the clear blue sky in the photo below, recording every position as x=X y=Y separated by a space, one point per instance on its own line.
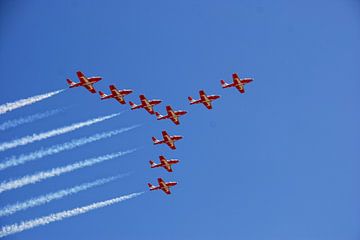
x=277 y=163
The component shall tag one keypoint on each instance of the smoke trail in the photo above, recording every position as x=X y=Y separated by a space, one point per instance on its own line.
x=14 y=161
x=16 y=122
x=40 y=136
x=37 y=177
x=26 y=101
x=15 y=228
x=33 y=202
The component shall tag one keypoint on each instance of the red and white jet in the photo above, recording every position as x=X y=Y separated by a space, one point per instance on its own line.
x=167 y=139
x=164 y=163
x=165 y=186
x=237 y=82
x=86 y=82
x=171 y=114
x=204 y=99
x=148 y=105
x=118 y=95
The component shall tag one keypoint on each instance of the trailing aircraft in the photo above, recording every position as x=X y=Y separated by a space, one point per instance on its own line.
x=118 y=95
x=86 y=82
x=148 y=105
x=164 y=186
x=164 y=163
x=204 y=99
x=171 y=114
x=167 y=139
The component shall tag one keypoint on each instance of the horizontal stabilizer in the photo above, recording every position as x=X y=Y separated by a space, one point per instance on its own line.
x=155 y=140
x=102 y=95
x=70 y=83
x=223 y=84
x=133 y=105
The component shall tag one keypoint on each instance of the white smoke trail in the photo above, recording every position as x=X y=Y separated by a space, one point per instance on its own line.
x=40 y=136
x=28 y=119
x=37 y=177
x=14 y=161
x=26 y=101
x=15 y=228
x=33 y=202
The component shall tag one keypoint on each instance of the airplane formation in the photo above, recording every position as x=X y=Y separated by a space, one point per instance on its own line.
x=148 y=105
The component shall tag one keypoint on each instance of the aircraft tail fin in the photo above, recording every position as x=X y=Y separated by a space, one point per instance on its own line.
x=151 y=187
x=102 y=95
x=224 y=84
x=70 y=83
x=191 y=100
x=155 y=141
x=158 y=115
x=133 y=105
x=151 y=163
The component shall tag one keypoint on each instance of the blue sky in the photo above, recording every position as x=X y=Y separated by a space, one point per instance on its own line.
x=279 y=162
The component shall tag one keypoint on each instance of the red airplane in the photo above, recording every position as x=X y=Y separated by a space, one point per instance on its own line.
x=171 y=114
x=86 y=82
x=118 y=95
x=204 y=99
x=148 y=105
x=237 y=82
x=164 y=163
x=165 y=186
x=169 y=140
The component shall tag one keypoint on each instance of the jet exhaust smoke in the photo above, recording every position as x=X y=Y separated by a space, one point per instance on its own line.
x=7 y=107
x=15 y=228
x=43 y=199
x=28 y=119
x=40 y=136
x=17 y=160
x=39 y=176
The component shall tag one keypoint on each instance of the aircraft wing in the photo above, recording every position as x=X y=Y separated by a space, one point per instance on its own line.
x=90 y=88
x=168 y=167
x=165 y=164
x=149 y=109
x=120 y=100
x=166 y=190
x=113 y=89
x=171 y=145
x=207 y=105
x=235 y=77
x=81 y=77
x=175 y=120
x=247 y=80
x=163 y=186
x=165 y=134
x=240 y=88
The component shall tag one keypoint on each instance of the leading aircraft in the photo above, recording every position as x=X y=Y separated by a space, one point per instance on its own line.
x=167 y=139
x=204 y=99
x=164 y=186
x=171 y=114
x=148 y=105
x=237 y=83
x=116 y=94
x=86 y=82
x=164 y=163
